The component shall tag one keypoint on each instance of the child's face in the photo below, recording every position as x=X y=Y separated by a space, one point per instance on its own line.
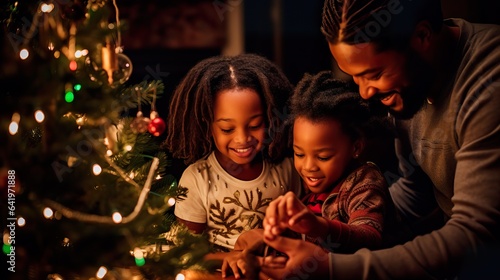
x=238 y=128
x=322 y=152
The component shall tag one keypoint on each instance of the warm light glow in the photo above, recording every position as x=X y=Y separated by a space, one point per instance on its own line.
x=117 y=217
x=109 y=153
x=6 y=237
x=51 y=46
x=78 y=54
x=16 y=117
x=57 y=54
x=171 y=201
x=97 y=169
x=24 y=53
x=39 y=116
x=138 y=254
x=128 y=148
x=65 y=242
x=48 y=213
x=21 y=222
x=13 y=127
x=180 y=276
x=101 y=272
x=47 y=8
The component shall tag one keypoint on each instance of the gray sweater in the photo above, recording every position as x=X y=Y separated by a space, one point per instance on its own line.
x=453 y=148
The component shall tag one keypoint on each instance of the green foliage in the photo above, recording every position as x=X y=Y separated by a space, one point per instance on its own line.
x=54 y=160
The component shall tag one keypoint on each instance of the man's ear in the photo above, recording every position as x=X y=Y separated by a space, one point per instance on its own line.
x=422 y=35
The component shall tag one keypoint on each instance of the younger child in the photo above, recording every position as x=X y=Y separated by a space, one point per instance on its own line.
x=347 y=197
x=225 y=122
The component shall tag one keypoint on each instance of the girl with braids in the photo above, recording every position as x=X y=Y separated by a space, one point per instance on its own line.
x=348 y=200
x=225 y=123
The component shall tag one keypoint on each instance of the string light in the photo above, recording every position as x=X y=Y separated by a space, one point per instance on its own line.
x=117 y=217
x=139 y=257
x=97 y=169
x=78 y=54
x=13 y=128
x=69 y=96
x=39 y=116
x=171 y=201
x=46 y=8
x=101 y=272
x=14 y=124
x=21 y=222
x=73 y=65
x=48 y=213
x=24 y=53
x=180 y=276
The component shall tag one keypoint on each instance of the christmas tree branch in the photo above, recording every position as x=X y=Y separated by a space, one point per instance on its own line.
x=84 y=217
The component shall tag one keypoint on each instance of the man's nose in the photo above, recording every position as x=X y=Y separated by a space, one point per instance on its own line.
x=366 y=90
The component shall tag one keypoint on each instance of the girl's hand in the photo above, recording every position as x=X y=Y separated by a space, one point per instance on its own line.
x=288 y=212
x=246 y=263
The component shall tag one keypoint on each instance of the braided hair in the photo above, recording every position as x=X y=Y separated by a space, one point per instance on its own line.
x=322 y=97
x=388 y=23
x=191 y=108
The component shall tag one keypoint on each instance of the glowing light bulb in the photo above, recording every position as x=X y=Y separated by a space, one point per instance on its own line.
x=97 y=169
x=73 y=65
x=21 y=222
x=16 y=117
x=128 y=148
x=180 y=276
x=171 y=201
x=48 y=213
x=39 y=116
x=109 y=153
x=13 y=128
x=69 y=97
x=101 y=272
x=47 y=8
x=24 y=53
x=117 y=217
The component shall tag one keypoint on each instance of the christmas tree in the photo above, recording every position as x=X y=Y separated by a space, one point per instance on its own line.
x=86 y=192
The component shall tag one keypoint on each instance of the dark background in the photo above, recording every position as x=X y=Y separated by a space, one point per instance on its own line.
x=164 y=39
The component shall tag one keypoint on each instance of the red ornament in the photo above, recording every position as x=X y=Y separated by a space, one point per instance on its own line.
x=157 y=126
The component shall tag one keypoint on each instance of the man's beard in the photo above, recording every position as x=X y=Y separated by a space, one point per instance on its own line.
x=415 y=96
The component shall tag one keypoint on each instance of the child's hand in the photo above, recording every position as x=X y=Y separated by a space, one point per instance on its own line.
x=288 y=212
x=246 y=263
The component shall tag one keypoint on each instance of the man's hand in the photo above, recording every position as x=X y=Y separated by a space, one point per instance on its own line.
x=300 y=257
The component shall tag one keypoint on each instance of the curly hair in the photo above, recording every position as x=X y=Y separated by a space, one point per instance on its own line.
x=321 y=97
x=388 y=23
x=191 y=108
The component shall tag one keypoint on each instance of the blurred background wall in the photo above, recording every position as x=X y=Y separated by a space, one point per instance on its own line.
x=164 y=39
x=169 y=37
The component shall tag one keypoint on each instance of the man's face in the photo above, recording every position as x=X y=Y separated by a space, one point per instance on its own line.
x=399 y=79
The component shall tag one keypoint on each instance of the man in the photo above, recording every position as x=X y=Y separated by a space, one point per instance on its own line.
x=441 y=82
